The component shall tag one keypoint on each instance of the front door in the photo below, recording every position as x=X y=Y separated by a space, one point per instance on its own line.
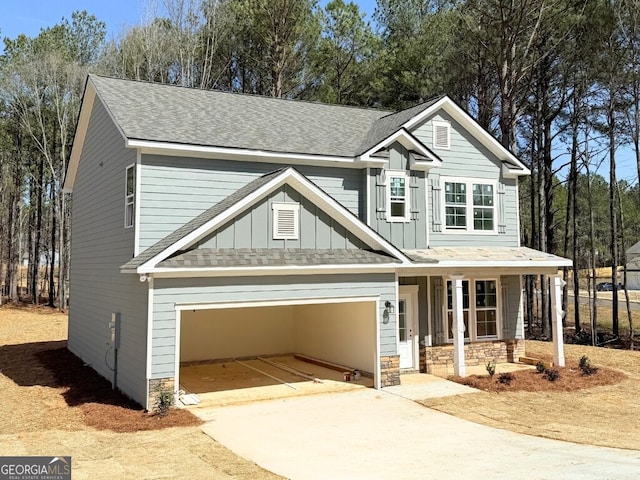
x=407 y=333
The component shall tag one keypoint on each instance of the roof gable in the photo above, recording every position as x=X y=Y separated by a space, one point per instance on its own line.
x=206 y=223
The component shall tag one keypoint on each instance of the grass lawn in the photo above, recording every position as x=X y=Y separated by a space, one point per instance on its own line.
x=603 y=415
x=53 y=405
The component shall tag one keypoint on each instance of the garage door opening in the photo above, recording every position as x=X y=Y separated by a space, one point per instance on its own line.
x=248 y=353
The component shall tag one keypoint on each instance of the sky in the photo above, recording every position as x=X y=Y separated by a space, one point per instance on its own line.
x=30 y=16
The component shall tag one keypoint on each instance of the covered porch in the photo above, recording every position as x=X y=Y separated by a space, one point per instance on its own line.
x=470 y=306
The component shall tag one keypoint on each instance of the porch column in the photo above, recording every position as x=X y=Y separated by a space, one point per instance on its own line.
x=458 y=325
x=557 y=284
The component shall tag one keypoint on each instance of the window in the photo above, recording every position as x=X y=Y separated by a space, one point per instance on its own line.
x=486 y=308
x=455 y=204
x=397 y=197
x=479 y=304
x=286 y=223
x=463 y=196
x=441 y=134
x=130 y=197
x=482 y=206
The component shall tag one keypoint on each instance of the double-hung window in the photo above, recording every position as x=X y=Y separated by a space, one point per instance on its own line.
x=130 y=197
x=469 y=205
x=397 y=197
x=479 y=309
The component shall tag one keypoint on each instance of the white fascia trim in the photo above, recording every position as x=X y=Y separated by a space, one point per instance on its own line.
x=282 y=302
x=202 y=151
x=324 y=202
x=407 y=140
x=561 y=262
x=272 y=271
x=136 y=206
x=472 y=127
x=81 y=133
x=149 y=335
x=508 y=172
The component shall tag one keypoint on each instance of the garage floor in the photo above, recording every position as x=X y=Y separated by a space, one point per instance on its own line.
x=224 y=383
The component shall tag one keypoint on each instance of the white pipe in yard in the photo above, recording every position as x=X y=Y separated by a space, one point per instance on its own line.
x=265 y=374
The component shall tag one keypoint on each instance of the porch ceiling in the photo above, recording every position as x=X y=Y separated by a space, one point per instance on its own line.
x=526 y=260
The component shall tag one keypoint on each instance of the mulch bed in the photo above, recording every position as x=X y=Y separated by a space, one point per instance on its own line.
x=103 y=407
x=570 y=378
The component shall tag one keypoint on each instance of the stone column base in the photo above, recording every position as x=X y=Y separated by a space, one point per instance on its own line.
x=157 y=388
x=390 y=370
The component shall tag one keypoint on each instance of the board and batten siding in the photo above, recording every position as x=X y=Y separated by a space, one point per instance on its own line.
x=468 y=158
x=180 y=291
x=99 y=245
x=411 y=234
x=176 y=189
x=254 y=227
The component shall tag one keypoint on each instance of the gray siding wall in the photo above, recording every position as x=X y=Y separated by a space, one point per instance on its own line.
x=512 y=314
x=175 y=189
x=99 y=245
x=169 y=292
x=254 y=228
x=412 y=234
x=468 y=158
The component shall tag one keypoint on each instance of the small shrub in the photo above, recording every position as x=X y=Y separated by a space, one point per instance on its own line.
x=551 y=374
x=585 y=366
x=164 y=402
x=491 y=368
x=540 y=368
x=506 y=378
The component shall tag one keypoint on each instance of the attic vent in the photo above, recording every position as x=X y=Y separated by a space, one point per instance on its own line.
x=286 y=221
x=441 y=134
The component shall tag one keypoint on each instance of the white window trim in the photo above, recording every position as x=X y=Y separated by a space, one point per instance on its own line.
x=406 y=218
x=290 y=207
x=130 y=200
x=441 y=123
x=469 y=205
x=473 y=333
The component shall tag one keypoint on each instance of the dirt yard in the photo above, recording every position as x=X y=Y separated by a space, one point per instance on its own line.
x=603 y=415
x=51 y=405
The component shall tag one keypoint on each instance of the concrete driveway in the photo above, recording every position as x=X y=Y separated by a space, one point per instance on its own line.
x=370 y=434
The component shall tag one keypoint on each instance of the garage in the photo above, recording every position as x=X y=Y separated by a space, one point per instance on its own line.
x=292 y=348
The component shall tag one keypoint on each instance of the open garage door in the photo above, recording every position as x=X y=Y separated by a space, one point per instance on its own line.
x=332 y=334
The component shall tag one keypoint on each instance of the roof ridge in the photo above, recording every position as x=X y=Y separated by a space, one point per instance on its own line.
x=247 y=95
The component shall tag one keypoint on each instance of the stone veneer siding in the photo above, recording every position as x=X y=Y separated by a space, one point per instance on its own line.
x=390 y=370
x=156 y=386
x=438 y=360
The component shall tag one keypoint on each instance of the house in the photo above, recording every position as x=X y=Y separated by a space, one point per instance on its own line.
x=633 y=267
x=210 y=225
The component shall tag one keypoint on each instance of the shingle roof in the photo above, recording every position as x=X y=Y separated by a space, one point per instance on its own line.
x=166 y=113
x=482 y=254
x=391 y=123
x=268 y=257
x=199 y=221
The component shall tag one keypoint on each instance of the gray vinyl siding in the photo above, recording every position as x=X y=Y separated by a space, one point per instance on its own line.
x=411 y=234
x=254 y=228
x=512 y=314
x=468 y=158
x=169 y=292
x=99 y=245
x=176 y=189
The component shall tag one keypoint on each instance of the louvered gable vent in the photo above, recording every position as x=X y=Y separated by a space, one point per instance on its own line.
x=441 y=134
x=285 y=221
